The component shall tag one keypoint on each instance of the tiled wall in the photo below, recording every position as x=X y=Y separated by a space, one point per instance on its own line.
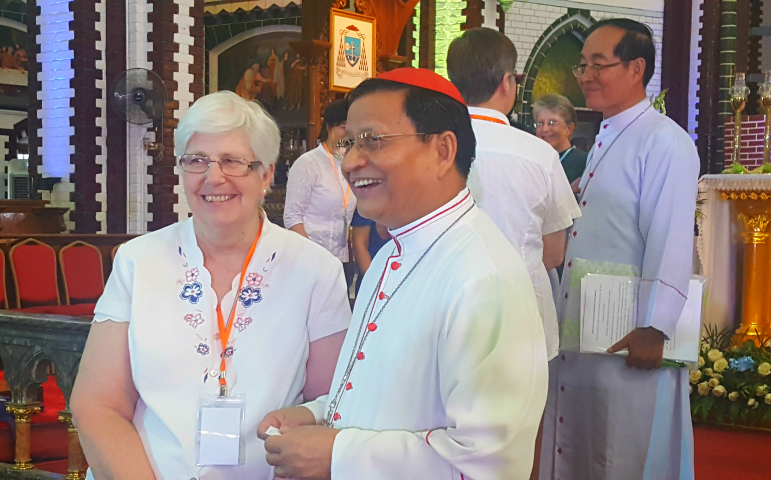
x=448 y=21
x=526 y=20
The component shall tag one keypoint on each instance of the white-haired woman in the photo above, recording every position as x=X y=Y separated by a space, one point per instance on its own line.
x=221 y=310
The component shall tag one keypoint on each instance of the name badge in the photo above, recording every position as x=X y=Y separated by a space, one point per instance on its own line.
x=220 y=439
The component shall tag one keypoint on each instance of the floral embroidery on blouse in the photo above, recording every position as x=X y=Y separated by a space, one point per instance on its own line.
x=249 y=296
x=192 y=292
x=191 y=275
x=202 y=348
x=241 y=324
x=254 y=279
x=229 y=351
x=194 y=320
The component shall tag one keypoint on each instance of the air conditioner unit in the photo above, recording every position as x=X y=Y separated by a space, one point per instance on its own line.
x=19 y=186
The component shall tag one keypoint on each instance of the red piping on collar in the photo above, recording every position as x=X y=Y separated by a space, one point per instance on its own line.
x=451 y=207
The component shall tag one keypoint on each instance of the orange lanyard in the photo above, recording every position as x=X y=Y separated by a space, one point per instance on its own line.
x=226 y=329
x=488 y=119
x=346 y=196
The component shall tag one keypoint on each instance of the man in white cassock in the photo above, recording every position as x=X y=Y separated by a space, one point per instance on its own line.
x=443 y=373
x=610 y=417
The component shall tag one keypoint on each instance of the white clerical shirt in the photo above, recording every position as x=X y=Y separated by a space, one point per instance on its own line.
x=518 y=180
x=316 y=196
x=451 y=380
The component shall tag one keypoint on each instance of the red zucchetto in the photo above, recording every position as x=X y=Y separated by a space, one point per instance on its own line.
x=423 y=78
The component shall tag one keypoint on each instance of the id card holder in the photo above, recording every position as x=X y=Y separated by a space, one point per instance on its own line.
x=220 y=438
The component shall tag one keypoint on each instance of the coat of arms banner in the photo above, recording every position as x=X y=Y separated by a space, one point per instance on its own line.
x=352 y=57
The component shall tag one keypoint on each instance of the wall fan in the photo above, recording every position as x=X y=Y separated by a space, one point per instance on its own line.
x=139 y=96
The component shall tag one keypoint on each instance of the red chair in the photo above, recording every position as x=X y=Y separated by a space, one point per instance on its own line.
x=3 y=294
x=81 y=265
x=33 y=265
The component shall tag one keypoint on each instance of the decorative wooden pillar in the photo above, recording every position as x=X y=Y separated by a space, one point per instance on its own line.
x=707 y=116
x=314 y=51
x=115 y=63
x=86 y=131
x=474 y=13
x=34 y=85
x=76 y=460
x=22 y=414
x=391 y=18
x=427 y=34
x=676 y=60
x=162 y=168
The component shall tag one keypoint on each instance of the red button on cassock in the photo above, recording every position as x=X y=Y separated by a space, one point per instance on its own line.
x=600 y=145
x=348 y=386
x=562 y=388
x=561 y=420
x=337 y=416
x=566 y=295
x=372 y=327
x=559 y=450
x=591 y=174
x=382 y=295
x=570 y=264
x=575 y=233
x=360 y=356
x=584 y=203
x=395 y=265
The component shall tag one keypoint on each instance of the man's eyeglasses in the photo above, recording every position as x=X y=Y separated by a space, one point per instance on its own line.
x=592 y=69
x=230 y=166
x=369 y=141
x=550 y=123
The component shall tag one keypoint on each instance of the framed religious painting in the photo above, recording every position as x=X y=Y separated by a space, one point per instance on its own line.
x=352 y=57
x=261 y=64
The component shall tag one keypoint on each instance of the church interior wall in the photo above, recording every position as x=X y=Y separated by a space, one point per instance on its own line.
x=526 y=21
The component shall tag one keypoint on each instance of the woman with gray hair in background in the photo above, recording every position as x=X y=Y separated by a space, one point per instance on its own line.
x=207 y=325
x=555 y=122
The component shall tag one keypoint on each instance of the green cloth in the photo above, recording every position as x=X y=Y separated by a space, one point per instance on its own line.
x=574 y=163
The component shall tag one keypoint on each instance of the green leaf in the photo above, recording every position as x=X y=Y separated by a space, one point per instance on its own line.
x=720 y=412
x=733 y=411
x=709 y=402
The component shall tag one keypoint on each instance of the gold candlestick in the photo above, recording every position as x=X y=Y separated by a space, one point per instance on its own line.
x=765 y=101
x=738 y=101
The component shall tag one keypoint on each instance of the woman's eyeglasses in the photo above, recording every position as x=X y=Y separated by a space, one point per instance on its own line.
x=230 y=166
x=550 y=123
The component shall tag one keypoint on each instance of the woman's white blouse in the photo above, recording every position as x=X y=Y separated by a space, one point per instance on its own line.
x=294 y=293
x=315 y=197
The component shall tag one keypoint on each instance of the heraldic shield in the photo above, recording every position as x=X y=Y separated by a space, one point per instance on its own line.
x=352 y=50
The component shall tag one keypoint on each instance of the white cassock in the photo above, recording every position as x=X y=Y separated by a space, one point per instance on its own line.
x=451 y=379
x=604 y=420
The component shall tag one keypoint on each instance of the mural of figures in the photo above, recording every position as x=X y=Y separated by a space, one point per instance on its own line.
x=266 y=68
x=294 y=86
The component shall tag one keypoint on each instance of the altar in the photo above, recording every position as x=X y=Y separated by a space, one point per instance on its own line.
x=734 y=248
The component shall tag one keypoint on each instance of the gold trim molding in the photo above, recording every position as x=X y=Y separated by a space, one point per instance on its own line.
x=22 y=413
x=755 y=228
x=745 y=195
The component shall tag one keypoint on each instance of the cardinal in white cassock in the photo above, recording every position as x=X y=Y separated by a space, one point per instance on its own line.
x=443 y=373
